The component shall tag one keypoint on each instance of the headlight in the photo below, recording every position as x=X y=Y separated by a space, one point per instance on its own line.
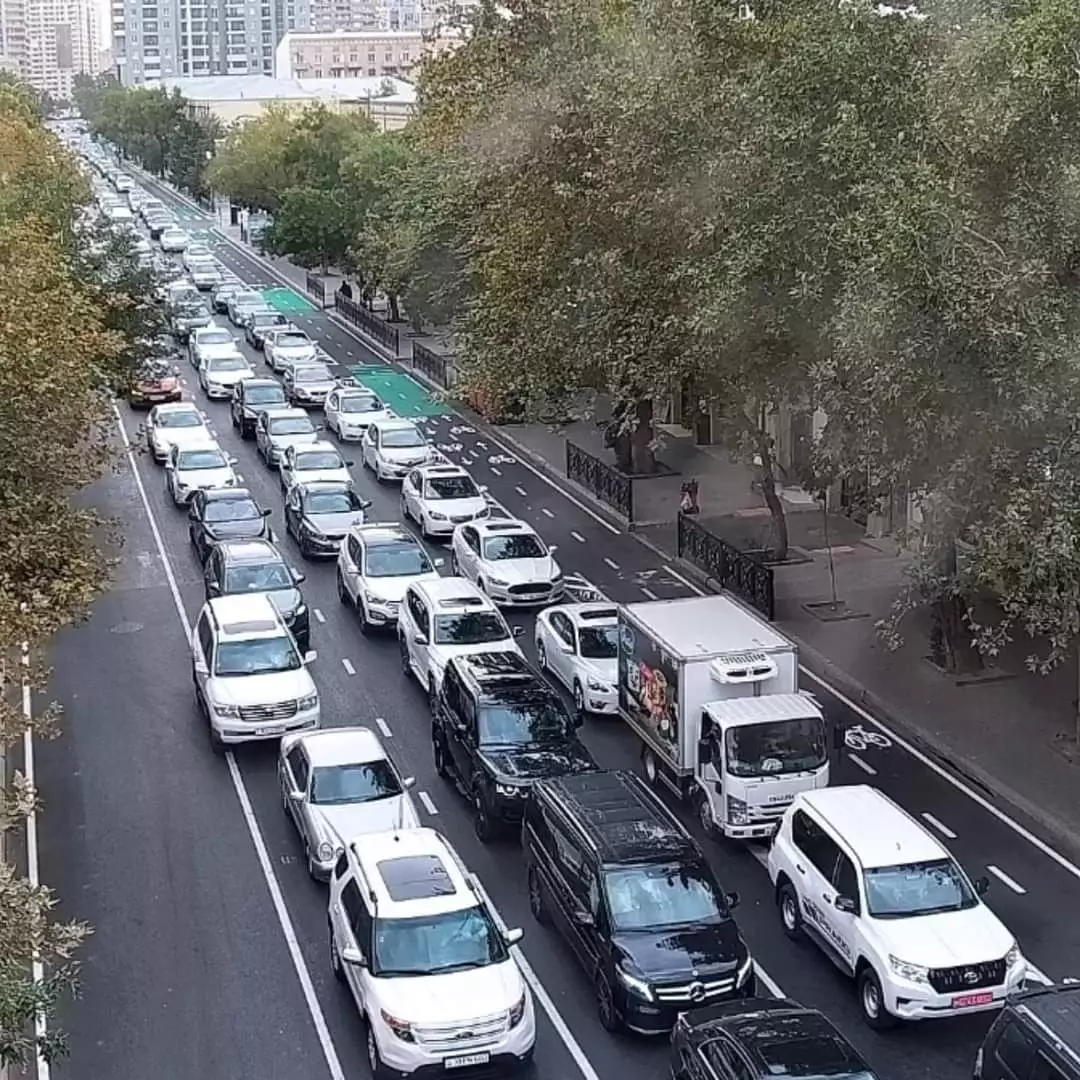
x=635 y=985
x=498 y=581
x=517 y=1012
x=746 y=969
x=313 y=530
x=557 y=576
x=301 y=610
x=437 y=517
x=912 y=972
x=308 y=701
x=599 y=687
x=509 y=791
x=374 y=600
x=1012 y=956
x=401 y=1028
x=229 y=712
x=736 y=811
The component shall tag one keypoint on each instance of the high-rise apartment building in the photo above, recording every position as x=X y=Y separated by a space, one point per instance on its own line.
x=49 y=42
x=163 y=39
x=355 y=54
x=386 y=16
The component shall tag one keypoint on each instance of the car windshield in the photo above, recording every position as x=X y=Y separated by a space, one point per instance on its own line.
x=232 y=510
x=264 y=395
x=436 y=944
x=451 y=487
x=178 y=419
x=599 y=642
x=517 y=546
x=403 y=559
x=337 y=784
x=360 y=404
x=783 y=746
x=258 y=577
x=508 y=723
x=332 y=502
x=311 y=374
x=226 y=363
x=292 y=425
x=470 y=628
x=215 y=337
x=400 y=438
x=201 y=459
x=318 y=459
x=910 y=889
x=293 y=341
x=661 y=897
x=256 y=656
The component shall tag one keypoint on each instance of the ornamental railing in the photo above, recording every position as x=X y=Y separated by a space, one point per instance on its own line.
x=737 y=571
x=605 y=481
x=366 y=322
x=436 y=367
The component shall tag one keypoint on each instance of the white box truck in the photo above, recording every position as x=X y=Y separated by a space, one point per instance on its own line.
x=712 y=691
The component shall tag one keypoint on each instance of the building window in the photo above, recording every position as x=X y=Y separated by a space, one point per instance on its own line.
x=372 y=72
x=405 y=56
x=318 y=73
x=352 y=58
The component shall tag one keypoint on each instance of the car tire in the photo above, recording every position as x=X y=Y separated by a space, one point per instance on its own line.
x=342 y=592
x=541 y=654
x=406 y=514
x=579 y=699
x=375 y=1062
x=215 y=740
x=455 y=566
x=403 y=653
x=605 y=1004
x=536 y=898
x=336 y=966
x=872 y=1001
x=438 y=754
x=483 y=824
x=787 y=901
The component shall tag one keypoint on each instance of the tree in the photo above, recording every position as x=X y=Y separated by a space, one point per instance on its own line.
x=251 y=167
x=313 y=225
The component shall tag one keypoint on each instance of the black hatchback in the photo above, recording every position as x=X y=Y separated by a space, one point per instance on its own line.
x=217 y=514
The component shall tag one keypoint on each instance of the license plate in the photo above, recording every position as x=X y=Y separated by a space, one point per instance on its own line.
x=259 y=731
x=466 y=1060
x=966 y=1001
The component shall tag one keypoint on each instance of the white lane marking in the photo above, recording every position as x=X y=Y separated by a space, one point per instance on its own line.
x=1006 y=880
x=1035 y=975
x=319 y=615
x=521 y=491
x=941 y=828
x=578 y=537
x=611 y=562
x=346 y=663
x=213 y=433
x=428 y=805
x=481 y=446
x=689 y=584
x=240 y=478
x=383 y=727
x=649 y=593
x=546 y=512
x=862 y=764
x=495 y=471
x=333 y=1062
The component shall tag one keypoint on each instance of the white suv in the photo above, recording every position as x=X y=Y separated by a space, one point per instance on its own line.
x=890 y=906
x=446 y=617
x=429 y=966
x=251 y=680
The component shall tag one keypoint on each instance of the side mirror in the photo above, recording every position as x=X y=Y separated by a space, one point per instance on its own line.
x=982 y=886
x=419 y=639
x=353 y=956
x=552 y=548
x=349 y=465
x=201 y=668
x=192 y=516
x=837 y=737
x=297 y=576
x=517 y=631
x=439 y=562
x=169 y=466
x=483 y=489
x=267 y=512
x=845 y=904
x=408 y=782
x=310 y=656
x=578 y=720
x=565 y=648
x=584 y=918
x=213 y=588
x=296 y=794
x=732 y=900
x=364 y=503
x=704 y=751
x=512 y=937
x=234 y=461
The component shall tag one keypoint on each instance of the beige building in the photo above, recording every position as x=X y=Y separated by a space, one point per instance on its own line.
x=354 y=54
x=49 y=42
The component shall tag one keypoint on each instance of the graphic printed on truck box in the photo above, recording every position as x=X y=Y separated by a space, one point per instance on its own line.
x=649 y=688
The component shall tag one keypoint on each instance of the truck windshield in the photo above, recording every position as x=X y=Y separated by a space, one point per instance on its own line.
x=782 y=746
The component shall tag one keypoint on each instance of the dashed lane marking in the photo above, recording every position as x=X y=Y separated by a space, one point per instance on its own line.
x=578 y=537
x=612 y=563
x=649 y=593
x=346 y=663
x=497 y=472
x=428 y=805
x=546 y=512
x=319 y=615
x=383 y=727
x=941 y=828
x=1006 y=880
x=521 y=491
x=869 y=769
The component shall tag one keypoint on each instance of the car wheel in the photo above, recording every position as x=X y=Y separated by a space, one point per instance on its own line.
x=379 y=474
x=235 y=422
x=705 y=814
x=305 y=548
x=215 y=740
x=403 y=652
x=790 y=915
x=438 y=754
x=406 y=514
x=342 y=592
x=536 y=898
x=375 y=1062
x=605 y=1004
x=455 y=567
x=579 y=699
x=872 y=1001
x=335 y=957
x=483 y=825
x=312 y=872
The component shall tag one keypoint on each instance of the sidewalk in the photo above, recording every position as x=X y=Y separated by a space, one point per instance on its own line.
x=1011 y=733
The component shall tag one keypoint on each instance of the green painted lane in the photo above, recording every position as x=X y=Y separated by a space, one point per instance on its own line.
x=288 y=301
x=404 y=395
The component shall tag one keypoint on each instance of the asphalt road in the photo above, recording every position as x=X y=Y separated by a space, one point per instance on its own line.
x=209 y=958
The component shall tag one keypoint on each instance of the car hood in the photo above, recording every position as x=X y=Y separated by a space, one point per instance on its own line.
x=393 y=588
x=286 y=600
x=459 y=996
x=336 y=524
x=235 y=530
x=362 y=419
x=561 y=759
x=318 y=476
x=685 y=953
x=352 y=819
x=229 y=378
x=215 y=352
x=454 y=508
x=605 y=671
x=262 y=689
x=295 y=353
x=406 y=455
x=299 y=439
x=440 y=654
x=524 y=571
x=266 y=406
x=193 y=320
x=181 y=436
x=951 y=939
x=323 y=386
x=204 y=478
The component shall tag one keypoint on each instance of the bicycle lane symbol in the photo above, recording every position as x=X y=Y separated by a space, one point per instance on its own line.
x=857 y=738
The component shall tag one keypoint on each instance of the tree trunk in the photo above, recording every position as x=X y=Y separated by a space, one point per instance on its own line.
x=951 y=647
x=642 y=459
x=772 y=500
x=325 y=266
x=392 y=303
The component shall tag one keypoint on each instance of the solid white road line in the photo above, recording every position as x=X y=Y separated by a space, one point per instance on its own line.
x=1005 y=879
x=346 y=663
x=869 y=769
x=319 y=615
x=941 y=828
x=383 y=727
x=333 y=1062
x=428 y=805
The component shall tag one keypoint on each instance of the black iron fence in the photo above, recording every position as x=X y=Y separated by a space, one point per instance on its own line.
x=316 y=288
x=603 y=480
x=743 y=574
x=436 y=367
x=367 y=322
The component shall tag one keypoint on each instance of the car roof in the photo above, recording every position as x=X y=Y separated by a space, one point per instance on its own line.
x=384 y=533
x=288 y=414
x=178 y=406
x=1056 y=1011
x=260 y=380
x=249 y=551
x=246 y=615
x=594 y=613
x=390 y=422
x=878 y=832
x=437 y=469
x=344 y=745
x=199 y=444
x=229 y=494
x=503 y=526
x=444 y=591
x=318 y=446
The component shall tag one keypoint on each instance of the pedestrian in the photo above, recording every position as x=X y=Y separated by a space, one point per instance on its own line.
x=346 y=290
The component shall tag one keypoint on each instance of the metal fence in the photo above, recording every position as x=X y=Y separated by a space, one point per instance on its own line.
x=316 y=287
x=434 y=365
x=603 y=480
x=740 y=573
x=367 y=322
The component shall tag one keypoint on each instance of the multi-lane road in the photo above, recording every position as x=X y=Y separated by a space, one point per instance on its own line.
x=209 y=958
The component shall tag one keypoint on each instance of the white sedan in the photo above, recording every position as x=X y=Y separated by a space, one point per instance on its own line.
x=173 y=238
x=313 y=463
x=193 y=468
x=286 y=347
x=218 y=375
x=175 y=424
x=194 y=253
x=349 y=411
x=441 y=497
x=210 y=341
x=579 y=645
x=508 y=561
x=340 y=782
x=390 y=448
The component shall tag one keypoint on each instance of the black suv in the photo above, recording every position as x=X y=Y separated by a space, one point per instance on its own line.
x=225 y=514
x=256 y=566
x=1036 y=1036
x=251 y=397
x=620 y=878
x=759 y=1039
x=497 y=727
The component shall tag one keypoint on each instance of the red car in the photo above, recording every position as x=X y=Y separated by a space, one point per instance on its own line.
x=155 y=385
